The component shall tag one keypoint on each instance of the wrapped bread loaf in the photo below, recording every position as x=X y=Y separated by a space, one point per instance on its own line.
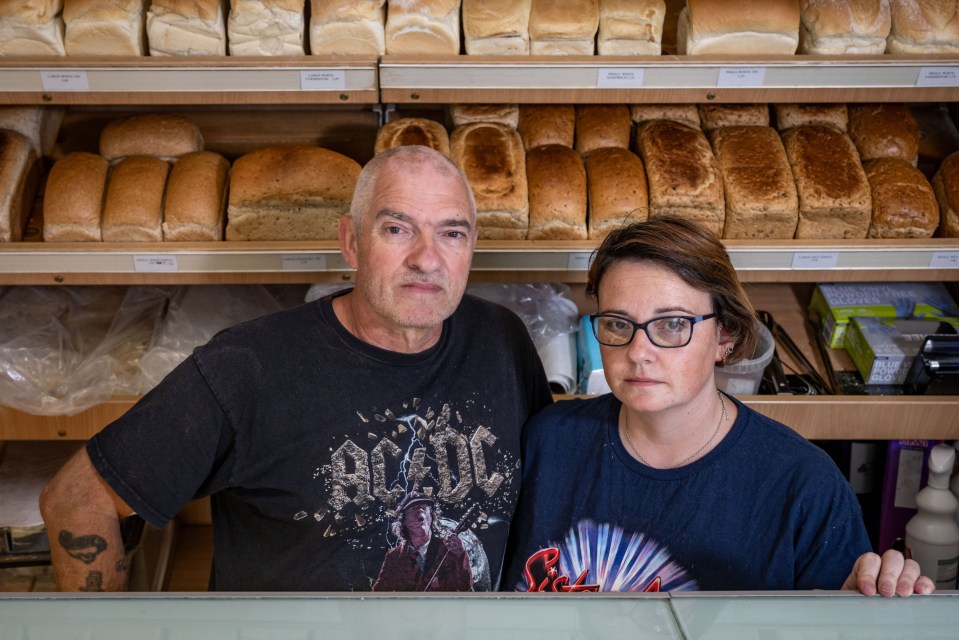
x=19 y=180
x=602 y=125
x=884 y=131
x=496 y=27
x=31 y=28
x=354 y=27
x=630 y=27
x=164 y=136
x=186 y=28
x=195 y=202
x=903 y=202
x=618 y=192
x=266 y=28
x=73 y=198
x=104 y=27
x=557 y=193
x=541 y=124
x=423 y=26
x=133 y=207
x=714 y=27
x=946 y=186
x=563 y=27
x=844 y=26
x=412 y=131
x=39 y=124
x=797 y=115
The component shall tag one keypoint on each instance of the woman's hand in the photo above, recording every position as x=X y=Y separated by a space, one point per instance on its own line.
x=890 y=575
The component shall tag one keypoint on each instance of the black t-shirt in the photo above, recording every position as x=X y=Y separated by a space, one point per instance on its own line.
x=308 y=438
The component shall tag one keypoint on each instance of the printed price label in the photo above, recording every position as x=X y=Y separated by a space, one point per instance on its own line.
x=322 y=80
x=810 y=260
x=155 y=264
x=741 y=77
x=620 y=78
x=578 y=261
x=312 y=262
x=944 y=260
x=64 y=80
x=938 y=77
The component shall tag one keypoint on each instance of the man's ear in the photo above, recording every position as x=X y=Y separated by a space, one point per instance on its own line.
x=347 y=236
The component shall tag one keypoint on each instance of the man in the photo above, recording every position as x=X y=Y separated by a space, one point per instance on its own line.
x=307 y=427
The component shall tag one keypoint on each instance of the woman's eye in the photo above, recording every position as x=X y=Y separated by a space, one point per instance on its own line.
x=617 y=325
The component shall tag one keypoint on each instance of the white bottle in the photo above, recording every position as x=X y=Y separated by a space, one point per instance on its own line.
x=954 y=485
x=932 y=535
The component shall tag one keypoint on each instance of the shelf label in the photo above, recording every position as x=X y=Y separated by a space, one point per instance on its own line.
x=297 y=262
x=620 y=78
x=64 y=80
x=322 y=80
x=578 y=261
x=741 y=77
x=938 y=77
x=813 y=260
x=944 y=260
x=155 y=264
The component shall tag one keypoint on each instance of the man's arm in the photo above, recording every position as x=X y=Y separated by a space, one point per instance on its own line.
x=892 y=574
x=82 y=515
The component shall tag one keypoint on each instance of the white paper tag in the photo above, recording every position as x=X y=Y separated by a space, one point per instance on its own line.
x=944 y=260
x=810 y=260
x=155 y=264
x=322 y=80
x=311 y=262
x=578 y=261
x=65 y=80
x=938 y=77
x=620 y=78
x=741 y=77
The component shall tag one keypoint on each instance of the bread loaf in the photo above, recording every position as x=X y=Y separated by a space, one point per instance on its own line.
x=19 y=179
x=618 y=193
x=834 y=195
x=164 y=136
x=563 y=27
x=496 y=27
x=844 y=26
x=39 y=124
x=289 y=193
x=630 y=27
x=354 y=27
x=938 y=135
x=266 y=27
x=31 y=28
x=541 y=124
x=903 y=202
x=73 y=198
x=104 y=27
x=423 y=26
x=797 y=115
x=195 y=201
x=492 y=157
x=682 y=173
x=761 y=200
x=507 y=114
x=412 y=131
x=714 y=27
x=685 y=113
x=602 y=125
x=924 y=26
x=133 y=207
x=557 y=193
x=884 y=131
x=714 y=116
x=946 y=186
x=186 y=28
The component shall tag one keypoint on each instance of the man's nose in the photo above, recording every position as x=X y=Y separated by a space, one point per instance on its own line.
x=424 y=255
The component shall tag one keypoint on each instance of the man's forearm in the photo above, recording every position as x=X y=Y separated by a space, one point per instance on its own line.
x=89 y=557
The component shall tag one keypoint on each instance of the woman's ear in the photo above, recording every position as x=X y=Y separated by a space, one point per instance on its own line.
x=725 y=345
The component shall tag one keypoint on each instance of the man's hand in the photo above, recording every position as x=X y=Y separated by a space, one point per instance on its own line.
x=889 y=575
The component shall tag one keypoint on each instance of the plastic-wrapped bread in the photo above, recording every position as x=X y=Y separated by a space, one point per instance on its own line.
x=133 y=206
x=104 y=27
x=602 y=125
x=557 y=193
x=507 y=114
x=31 y=28
x=924 y=26
x=714 y=116
x=563 y=27
x=797 y=115
x=73 y=198
x=423 y=26
x=186 y=28
x=412 y=131
x=19 y=179
x=266 y=27
x=714 y=27
x=630 y=27
x=164 y=136
x=195 y=201
x=946 y=186
x=884 y=131
x=541 y=124
x=496 y=27
x=39 y=124
x=903 y=202
x=354 y=27
x=618 y=191
x=844 y=26
x=685 y=113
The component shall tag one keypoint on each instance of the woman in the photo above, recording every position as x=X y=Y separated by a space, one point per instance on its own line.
x=667 y=483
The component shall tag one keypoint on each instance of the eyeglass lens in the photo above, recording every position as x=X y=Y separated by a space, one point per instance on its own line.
x=663 y=332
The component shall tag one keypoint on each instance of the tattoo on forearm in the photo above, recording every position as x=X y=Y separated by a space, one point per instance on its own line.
x=83 y=548
x=94 y=582
x=121 y=565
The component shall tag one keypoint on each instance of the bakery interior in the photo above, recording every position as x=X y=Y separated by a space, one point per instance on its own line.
x=822 y=154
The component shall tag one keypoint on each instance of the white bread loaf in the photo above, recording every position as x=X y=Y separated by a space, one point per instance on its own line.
x=946 y=186
x=423 y=26
x=844 y=26
x=714 y=116
x=266 y=28
x=618 y=191
x=797 y=115
x=164 y=136
x=924 y=26
x=507 y=114
x=884 y=131
x=541 y=124
x=19 y=179
x=685 y=113
x=602 y=125
x=496 y=27
x=104 y=27
x=557 y=193
x=491 y=156
x=31 y=28
x=761 y=199
x=289 y=193
x=73 y=198
x=195 y=201
x=563 y=27
x=412 y=131
x=714 y=27
x=133 y=207
x=354 y=27
x=630 y=27
x=39 y=124
x=903 y=202
x=186 y=28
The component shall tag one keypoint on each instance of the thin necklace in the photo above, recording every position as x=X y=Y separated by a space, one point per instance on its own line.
x=722 y=419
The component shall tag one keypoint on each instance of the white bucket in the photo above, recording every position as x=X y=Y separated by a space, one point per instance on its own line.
x=743 y=378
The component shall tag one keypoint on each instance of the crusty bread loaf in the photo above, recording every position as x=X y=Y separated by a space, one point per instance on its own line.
x=541 y=124
x=630 y=27
x=73 y=198
x=104 y=27
x=33 y=28
x=938 y=135
x=797 y=115
x=289 y=193
x=186 y=28
x=834 y=196
x=844 y=26
x=602 y=125
x=507 y=114
x=946 y=186
x=19 y=179
x=563 y=27
x=39 y=124
x=354 y=27
x=903 y=202
x=496 y=27
x=618 y=192
x=761 y=200
x=164 y=136
x=708 y=27
x=884 y=131
x=408 y=131
x=492 y=157
x=195 y=201
x=714 y=116
x=557 y=193
x=133 y=207
x=423 y=26
x=924 y=26
x=685 y=113
x=266 y=27
x=682 y=173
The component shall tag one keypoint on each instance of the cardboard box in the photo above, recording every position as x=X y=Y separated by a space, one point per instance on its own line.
x=884 y=348
x=591 y=378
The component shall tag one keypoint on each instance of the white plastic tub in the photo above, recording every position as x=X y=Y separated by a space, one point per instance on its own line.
x=743 y=378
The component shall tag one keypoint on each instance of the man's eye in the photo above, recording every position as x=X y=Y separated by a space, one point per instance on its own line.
x=394 y=230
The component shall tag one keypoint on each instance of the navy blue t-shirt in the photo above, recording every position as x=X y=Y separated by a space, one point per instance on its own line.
x=764 y=510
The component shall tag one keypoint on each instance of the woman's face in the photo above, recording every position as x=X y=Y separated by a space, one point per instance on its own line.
x=646 y=377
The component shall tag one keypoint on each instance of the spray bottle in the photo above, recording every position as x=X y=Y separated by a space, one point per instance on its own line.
x=932 y=535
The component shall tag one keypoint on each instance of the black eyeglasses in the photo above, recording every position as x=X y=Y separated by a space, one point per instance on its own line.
x=668 y=332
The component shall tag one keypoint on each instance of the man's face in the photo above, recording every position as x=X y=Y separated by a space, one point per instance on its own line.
x=418 y=520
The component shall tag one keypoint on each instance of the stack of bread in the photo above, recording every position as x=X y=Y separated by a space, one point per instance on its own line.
x=354 y=27
x=33 y=28
x=423 y=26
x=104 y=27
x=186 y=28
x=266 y=27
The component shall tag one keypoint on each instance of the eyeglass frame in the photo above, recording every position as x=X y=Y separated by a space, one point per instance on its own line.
x=693 y=321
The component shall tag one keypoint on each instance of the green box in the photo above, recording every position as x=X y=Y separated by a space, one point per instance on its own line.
x=884 y=348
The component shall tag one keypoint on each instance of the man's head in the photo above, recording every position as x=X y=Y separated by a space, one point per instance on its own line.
x=415 y=518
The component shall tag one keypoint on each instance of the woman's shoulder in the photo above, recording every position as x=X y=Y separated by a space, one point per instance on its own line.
x=575 y=414
x=782 y=444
